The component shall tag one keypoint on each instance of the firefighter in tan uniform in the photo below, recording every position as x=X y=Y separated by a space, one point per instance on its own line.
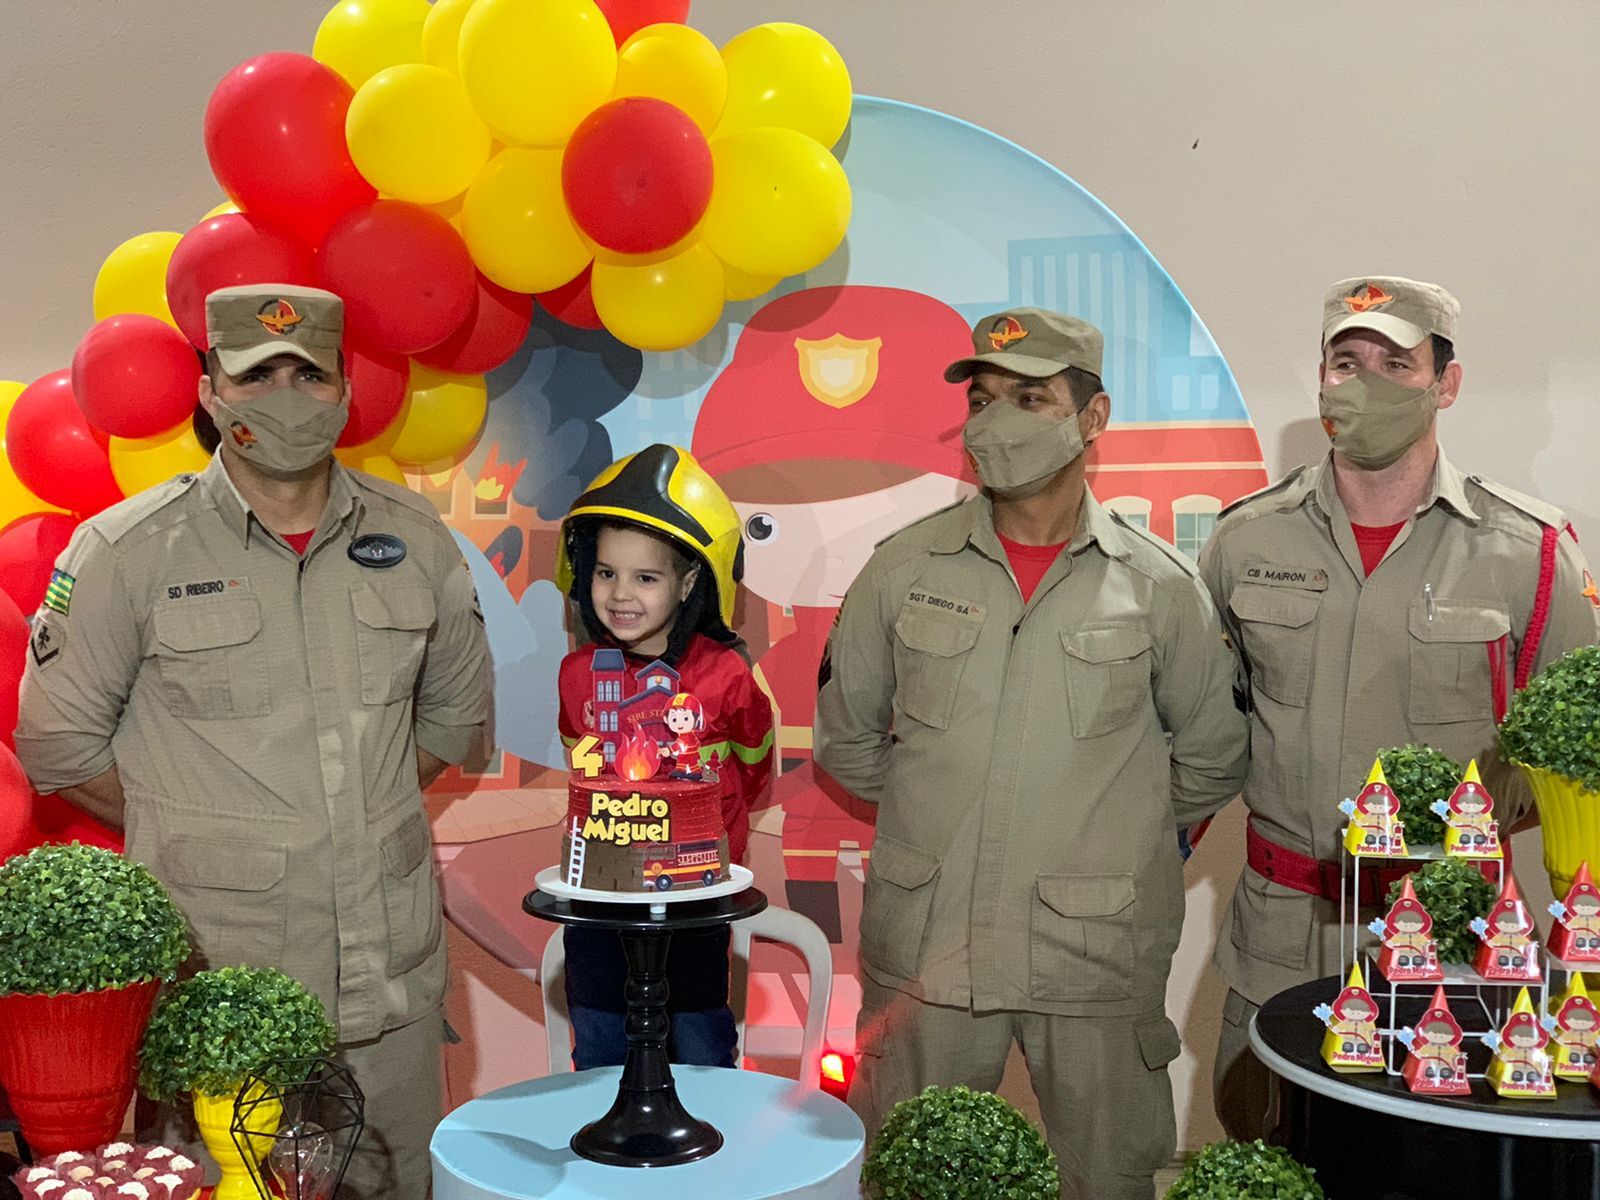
x=1378 y=598
x=253 y=671
x=1002 y=683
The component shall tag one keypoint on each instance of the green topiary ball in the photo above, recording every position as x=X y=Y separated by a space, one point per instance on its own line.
x=957 y=1144
x=1420 y=775
x=1554 y=722
x=1245 y=1171
x=1454 y=893
x=214 y=1030
x=79 y=919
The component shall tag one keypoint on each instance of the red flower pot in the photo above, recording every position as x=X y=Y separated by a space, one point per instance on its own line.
x=68 y=1062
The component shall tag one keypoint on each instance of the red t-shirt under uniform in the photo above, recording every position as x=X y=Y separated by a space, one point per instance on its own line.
x=1029 y=563
x=1374 y=541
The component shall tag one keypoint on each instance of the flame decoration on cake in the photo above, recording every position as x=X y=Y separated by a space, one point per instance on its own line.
x=639 y=758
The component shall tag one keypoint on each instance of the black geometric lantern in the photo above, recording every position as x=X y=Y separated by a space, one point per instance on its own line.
x=321 y=1121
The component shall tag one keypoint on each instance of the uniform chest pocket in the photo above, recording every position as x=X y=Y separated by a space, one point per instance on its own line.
x=1278 y=628
x=391 y=637
x=930 y=653
x=1450 y=678
x=1081 y=938
x=1108 y=677
x=211 y=658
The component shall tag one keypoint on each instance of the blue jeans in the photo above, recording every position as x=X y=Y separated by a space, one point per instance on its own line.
x=702 y=1032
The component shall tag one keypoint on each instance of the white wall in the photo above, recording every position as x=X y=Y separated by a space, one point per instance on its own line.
x=1261 y=149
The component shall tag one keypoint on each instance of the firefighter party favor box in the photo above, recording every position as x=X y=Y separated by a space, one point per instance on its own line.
x=1508 y=950
x=1375 y=829
x=1577 y=1031
x=1351 y=1043
x=1435 y=1063
x=1470 y=828
x=1409 y=953
x=1521 y=1067
x=1576 y=935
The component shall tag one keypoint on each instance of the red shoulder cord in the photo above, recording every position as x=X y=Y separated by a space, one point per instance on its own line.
x=1549 y=547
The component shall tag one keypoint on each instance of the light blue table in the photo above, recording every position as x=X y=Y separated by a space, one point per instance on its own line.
x=781 y=1140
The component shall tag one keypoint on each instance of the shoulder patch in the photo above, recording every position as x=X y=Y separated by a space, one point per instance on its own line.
x=1279 y=490
x=127 y=515
x=1539 y=510
x=1183 y=561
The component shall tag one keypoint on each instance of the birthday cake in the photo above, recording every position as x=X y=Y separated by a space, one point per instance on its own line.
x=644 y=810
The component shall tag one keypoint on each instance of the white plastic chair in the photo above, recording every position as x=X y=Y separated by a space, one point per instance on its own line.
x=773 y=923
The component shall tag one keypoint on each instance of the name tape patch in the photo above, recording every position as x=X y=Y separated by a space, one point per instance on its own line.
x=1313 y=579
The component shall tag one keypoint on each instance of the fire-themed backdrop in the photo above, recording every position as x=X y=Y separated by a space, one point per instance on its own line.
x=821 y=409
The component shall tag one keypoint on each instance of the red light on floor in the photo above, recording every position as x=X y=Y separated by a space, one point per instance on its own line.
x=833 y=1067
x=836 y=1071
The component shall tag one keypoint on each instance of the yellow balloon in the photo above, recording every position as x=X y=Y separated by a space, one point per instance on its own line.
x=676 y=64
x=661 y=306
x=515 y=222
x=359 y=38
x=440 y=418
x=221 y=210
x=372 y=459
x=742 y=285
x=780 y=202
x=441 y=33
x=15 y=499
x=414 y=135
x=133 y=279
x=788 y=75
x=140 y=463
x=534 y=70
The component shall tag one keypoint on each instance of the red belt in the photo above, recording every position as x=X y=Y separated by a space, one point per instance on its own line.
x=1313 y=876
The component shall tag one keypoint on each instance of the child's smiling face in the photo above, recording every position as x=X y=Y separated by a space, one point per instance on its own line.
x=637 y=588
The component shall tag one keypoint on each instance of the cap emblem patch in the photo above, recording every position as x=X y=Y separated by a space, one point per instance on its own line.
x=279 y=317
x=1367 y=297
x=1004 y=331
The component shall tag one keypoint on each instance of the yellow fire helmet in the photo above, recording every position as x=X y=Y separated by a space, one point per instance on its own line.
x=664 y=488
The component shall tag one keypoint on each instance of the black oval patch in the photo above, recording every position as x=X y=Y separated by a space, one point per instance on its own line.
x=378 y=550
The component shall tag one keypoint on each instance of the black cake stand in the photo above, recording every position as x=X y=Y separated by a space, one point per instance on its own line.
x=647 y=1125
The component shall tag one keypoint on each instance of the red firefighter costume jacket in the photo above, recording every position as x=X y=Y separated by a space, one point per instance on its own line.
x=738 y=722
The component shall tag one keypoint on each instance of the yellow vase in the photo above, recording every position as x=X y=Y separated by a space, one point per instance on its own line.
x=1570 y=815
x=214 y=1115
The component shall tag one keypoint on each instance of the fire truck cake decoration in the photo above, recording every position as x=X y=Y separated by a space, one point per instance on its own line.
x=644 y=812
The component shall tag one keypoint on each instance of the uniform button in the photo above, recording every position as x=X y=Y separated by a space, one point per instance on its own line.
x=1271 y=871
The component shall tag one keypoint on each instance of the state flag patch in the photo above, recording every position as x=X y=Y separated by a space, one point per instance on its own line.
x=58 y=593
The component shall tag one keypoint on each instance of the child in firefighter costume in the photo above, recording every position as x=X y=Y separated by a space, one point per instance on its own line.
x=651 y=555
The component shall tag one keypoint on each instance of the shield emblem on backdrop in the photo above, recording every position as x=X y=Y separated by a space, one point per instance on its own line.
x=839 y=370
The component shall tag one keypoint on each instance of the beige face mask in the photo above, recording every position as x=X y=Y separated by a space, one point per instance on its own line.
x=1373 y=420
x=1018 y=452
x=284 y=433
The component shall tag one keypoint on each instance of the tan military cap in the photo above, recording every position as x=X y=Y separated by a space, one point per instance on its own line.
x=1403 y=310
x=248 y=325
x=1033 y=342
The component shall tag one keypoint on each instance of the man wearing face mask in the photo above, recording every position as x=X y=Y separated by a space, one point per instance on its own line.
x=1378 y=598
x=1002 y=683
x=253 y=671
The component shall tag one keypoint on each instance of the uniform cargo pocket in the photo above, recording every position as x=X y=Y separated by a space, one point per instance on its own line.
x=391 y=636
x=233 y=895
x=1450 y=678
x=894 y=911
x=1081 y=938
x=211 y=658
x=410 y=895
x=1272 y=922
x=1108 y=678
x=930 y=653
x=1278 y=631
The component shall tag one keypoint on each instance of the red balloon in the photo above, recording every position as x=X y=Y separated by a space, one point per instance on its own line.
x=637 y=175
x=275 y=138
x=16 y=806
x=405 y=275
x=573 y=303
x=29 y=548
x=227 y=251
x=54 y=820
x=135 y=376
x=13 y=658
x=490 y=335
x=55 y=453
x=378 y=382
x=627 y=17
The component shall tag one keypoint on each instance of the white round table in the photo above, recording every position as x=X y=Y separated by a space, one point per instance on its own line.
x=781 y=1140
